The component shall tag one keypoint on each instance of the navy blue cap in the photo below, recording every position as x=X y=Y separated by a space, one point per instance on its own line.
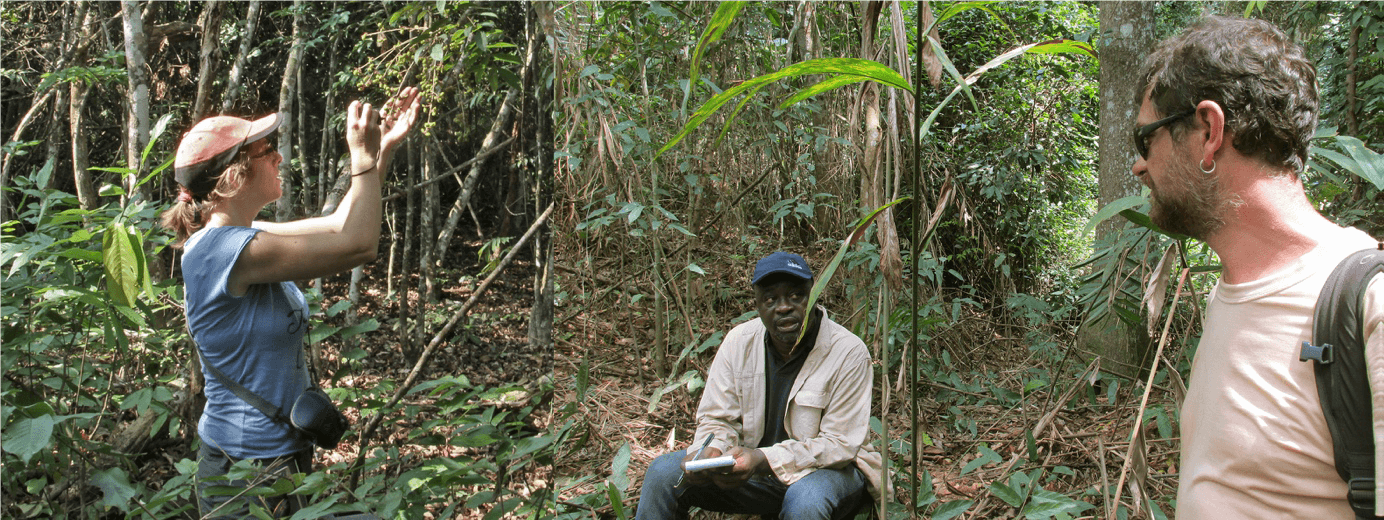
x=781 y=262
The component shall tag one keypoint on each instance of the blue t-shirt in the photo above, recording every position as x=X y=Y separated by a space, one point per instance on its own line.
x=257 y=339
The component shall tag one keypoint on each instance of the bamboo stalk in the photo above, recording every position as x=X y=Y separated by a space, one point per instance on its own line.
x=1148 y=388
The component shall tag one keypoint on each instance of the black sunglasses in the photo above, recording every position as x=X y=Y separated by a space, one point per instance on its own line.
x=1141 y=133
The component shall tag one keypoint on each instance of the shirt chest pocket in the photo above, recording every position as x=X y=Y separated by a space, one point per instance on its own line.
x=805 y=413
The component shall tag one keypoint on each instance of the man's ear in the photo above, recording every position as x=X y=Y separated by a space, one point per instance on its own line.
x=1211 y=119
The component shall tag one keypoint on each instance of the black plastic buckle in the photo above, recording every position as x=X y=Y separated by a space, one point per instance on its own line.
x=1361 y=495
x=1321 y=354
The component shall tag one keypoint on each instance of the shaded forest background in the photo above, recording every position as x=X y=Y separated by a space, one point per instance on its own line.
x=1034 y=347
x=438 y=351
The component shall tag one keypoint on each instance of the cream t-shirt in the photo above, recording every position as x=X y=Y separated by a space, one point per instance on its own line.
x=1254 y=440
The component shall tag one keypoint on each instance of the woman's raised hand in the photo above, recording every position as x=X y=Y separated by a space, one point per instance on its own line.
x=362 y=136
x=399 y=115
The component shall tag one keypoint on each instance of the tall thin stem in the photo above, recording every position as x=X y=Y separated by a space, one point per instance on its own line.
x=913 y=276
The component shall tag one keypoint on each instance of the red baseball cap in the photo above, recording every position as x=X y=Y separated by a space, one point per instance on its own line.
x=208 y=148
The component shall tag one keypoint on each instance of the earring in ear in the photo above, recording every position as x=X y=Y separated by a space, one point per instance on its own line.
x=1204 y=169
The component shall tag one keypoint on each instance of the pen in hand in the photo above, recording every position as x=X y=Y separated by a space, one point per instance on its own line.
x=698 y=456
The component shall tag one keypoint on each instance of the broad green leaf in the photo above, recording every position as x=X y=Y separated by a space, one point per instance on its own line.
x=619 y=475
x=28 y=435
x=318 y=509
x=617 y=502
x=824 y=278
x=1046 y=504
x=115 y=487
x=1007 y=494
x=122 y=266
x=154 y=134
x=369 y=325
x=1112 y=209
x=949 y=510
x=823 y=86
x=655 y=398
x=951 y=69
x=1370 y=165
x=1065 y=46
x=720 y=21
x=960 y=7
x=871 y=70
x=320 y=333
x=1145 y=222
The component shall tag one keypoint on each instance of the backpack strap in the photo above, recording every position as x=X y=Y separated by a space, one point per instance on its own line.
x=1343 y=386
x=251 y=398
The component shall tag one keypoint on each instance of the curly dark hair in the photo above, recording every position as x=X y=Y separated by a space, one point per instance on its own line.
x=1263 y=81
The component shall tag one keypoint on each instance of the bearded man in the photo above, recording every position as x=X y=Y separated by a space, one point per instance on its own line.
x=1228 y=108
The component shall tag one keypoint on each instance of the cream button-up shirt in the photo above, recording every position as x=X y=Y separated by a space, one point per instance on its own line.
x=828 y=414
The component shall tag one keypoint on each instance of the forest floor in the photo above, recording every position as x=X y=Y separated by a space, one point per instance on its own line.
x=985 y=401
x=490 y=349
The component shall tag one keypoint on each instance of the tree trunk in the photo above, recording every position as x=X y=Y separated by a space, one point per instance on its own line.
x=502 y=123
x=76 y=116
x=1127 y=35
x=1352 y=55
x=409 y=317
x=326 y=156
x=283 y=209
x=247 y=40
x=137 y=127
x=427 y=221
x=207 y=67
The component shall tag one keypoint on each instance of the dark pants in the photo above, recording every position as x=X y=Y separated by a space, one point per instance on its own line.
x=824 y=494
x=221 y=497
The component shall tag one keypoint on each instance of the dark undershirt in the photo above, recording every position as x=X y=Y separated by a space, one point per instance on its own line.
x=779 y=376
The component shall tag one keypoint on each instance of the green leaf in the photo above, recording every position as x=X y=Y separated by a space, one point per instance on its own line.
x=961 y=7
x=1007 y=494
x=122 y=280
x=1045 y=504
x=1112 y=209
x=823 y=86
x=619 y=477
x=1370 y=165
x=369 y=325
x=824 y=277
x=617 y=502
x=318 y=509
x=1145 y=222
x=28 y=436
x=866 y=69
x=720 y=21
x=696 y=268
x=949 y=510
x=115 y=488
x=987 y=456
x=1064 y=46
x=159 y=127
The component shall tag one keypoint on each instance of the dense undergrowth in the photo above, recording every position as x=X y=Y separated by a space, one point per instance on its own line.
x=100 y=405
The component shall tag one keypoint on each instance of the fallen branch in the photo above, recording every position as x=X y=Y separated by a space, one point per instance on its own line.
x=441 y=337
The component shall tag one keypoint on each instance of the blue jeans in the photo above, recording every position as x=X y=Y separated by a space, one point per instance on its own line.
x=821 y=495
x=215 y=494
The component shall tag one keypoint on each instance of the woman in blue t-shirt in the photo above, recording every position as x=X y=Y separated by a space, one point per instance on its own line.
x=243 y=309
